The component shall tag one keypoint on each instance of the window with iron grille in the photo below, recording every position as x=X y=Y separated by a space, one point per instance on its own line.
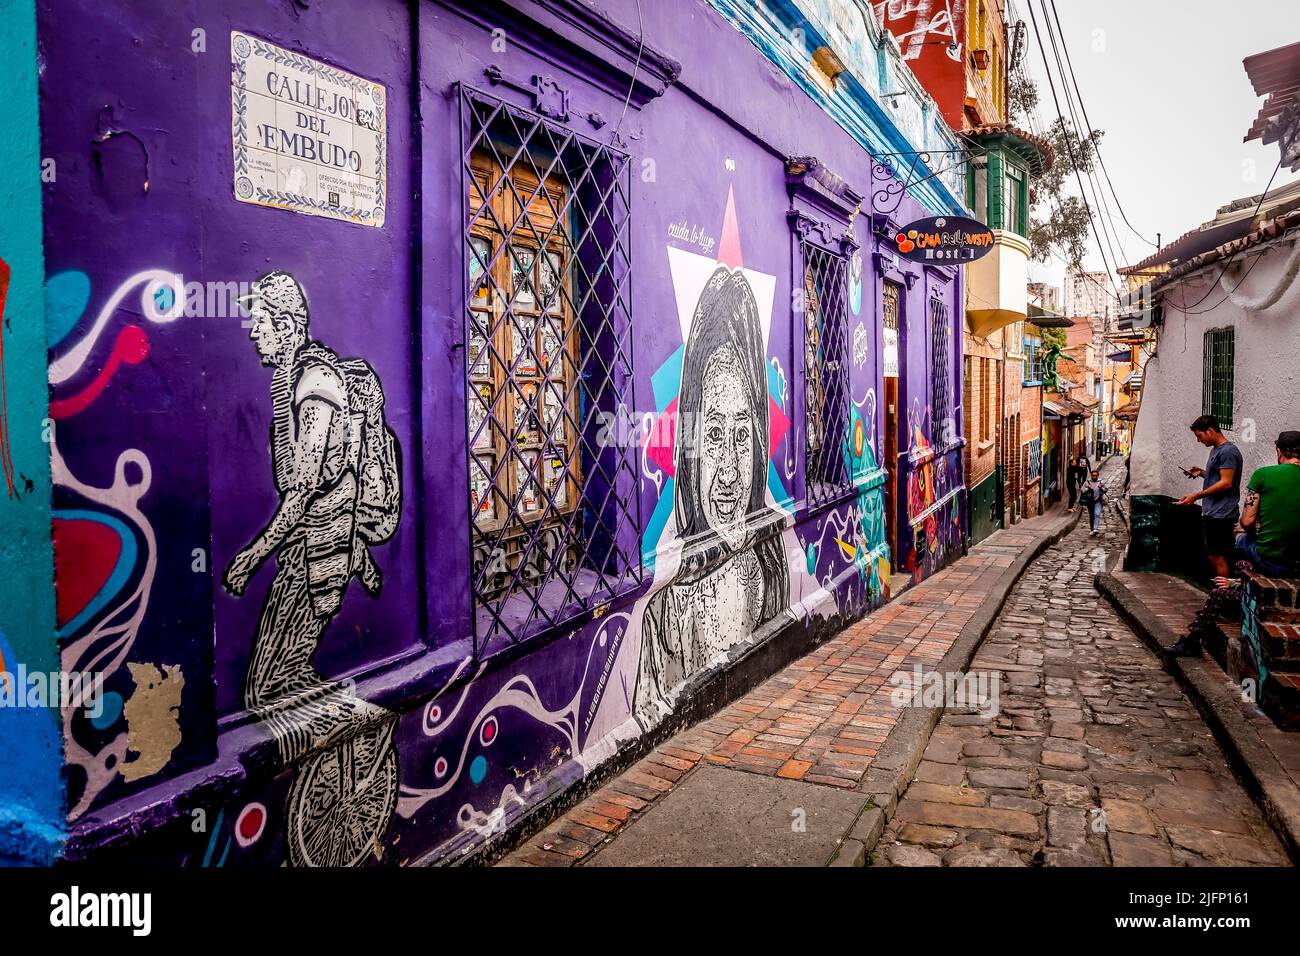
x=940 y=363
x=826 y=372
x=1216 y=376
x=555 y=520
x=1033 y=460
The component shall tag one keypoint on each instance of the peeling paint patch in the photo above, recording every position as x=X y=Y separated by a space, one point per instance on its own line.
x=152 y=718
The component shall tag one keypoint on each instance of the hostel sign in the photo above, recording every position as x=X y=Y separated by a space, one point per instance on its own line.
x=944 y=240
x=306 y=136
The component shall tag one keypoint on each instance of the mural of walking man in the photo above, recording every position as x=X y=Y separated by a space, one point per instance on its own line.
x=336 y=466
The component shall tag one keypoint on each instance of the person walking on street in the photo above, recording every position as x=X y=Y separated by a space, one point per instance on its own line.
x=1090 y=496
x=1221 y=488
x=1075 y=475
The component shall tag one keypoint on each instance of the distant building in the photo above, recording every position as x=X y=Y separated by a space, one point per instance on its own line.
x=1045 y=296
x=1089 y=294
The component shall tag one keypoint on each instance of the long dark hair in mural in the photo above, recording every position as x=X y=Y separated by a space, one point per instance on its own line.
x=336 y=466
x=733 y=578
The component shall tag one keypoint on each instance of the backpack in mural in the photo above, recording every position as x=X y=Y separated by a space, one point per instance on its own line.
x=379 y=471
x=372 y=448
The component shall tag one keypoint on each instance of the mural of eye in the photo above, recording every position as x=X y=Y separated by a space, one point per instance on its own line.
x=250 y=825
x=487 y=733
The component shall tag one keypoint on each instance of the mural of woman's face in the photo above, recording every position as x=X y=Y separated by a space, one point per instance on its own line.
x=727 y=439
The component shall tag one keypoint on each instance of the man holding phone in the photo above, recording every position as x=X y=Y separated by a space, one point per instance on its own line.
x=1270 y=542
x=1219 y=494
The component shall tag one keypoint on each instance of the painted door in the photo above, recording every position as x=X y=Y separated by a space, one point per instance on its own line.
x=891 y=462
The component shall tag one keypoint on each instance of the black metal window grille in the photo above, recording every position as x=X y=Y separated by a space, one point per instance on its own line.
x=1217 y=375
x=555 y=517
x=826 y=373
x=940 y=362
x=1034 y=460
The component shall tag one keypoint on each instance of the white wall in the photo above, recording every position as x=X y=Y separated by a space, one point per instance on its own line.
x=1266 y=381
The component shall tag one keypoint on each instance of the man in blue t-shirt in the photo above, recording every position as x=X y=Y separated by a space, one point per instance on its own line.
x=1219 y=494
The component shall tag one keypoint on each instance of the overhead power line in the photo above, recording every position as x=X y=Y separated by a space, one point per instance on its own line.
x=1070 y=148
x=1186 y=309
x=1109 y=233
x=1084 y=109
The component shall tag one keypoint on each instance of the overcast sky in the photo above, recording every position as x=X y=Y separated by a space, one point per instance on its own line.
x=1164 y=79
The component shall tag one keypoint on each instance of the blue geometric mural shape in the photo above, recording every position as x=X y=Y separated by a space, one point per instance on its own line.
x=658 y=521
x=66 y=296
x=668 y=380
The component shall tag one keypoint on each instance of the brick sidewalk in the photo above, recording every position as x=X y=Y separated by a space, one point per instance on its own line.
x=820 y=721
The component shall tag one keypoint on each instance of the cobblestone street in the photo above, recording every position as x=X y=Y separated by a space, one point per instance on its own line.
x=1095 y=757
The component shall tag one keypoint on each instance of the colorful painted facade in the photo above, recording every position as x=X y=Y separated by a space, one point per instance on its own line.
x=362 y=591
x=31 y=801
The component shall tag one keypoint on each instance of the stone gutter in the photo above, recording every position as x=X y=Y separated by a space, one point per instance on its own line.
x=899 y=756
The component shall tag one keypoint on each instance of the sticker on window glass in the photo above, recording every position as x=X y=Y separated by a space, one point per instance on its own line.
x=556 y=487
x=478 y=413
x=551 y=358
x=480 y=490
x=523 y=330
x=527 y=416
x=480 y=253
x=478 y=351
x=477 y=355
x=521 y=277
x=306 y=136
x=530 y=501
x=550 y=282
x=552 y=402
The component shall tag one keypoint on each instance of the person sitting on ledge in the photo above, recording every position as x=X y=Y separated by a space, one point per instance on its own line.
x=1270 y=538
x=1269 y=542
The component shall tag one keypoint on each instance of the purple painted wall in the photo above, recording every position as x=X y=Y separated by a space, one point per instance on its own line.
x=163 y=469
